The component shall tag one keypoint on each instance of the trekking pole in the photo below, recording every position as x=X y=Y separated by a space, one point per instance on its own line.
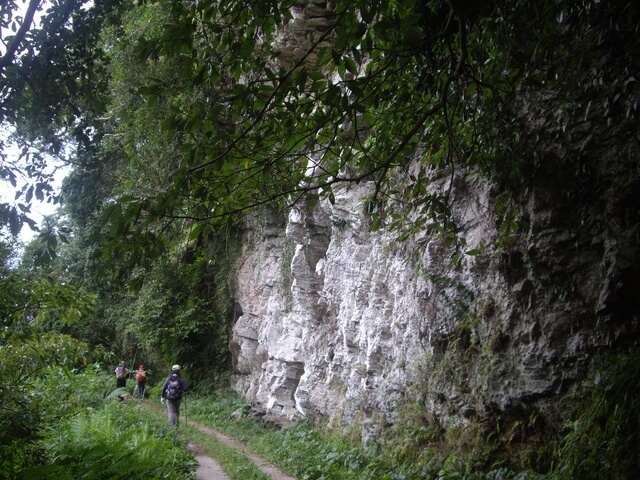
x=186 y=420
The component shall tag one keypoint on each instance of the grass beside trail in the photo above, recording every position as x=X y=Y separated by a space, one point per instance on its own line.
x=300 y=451
x=235 y=463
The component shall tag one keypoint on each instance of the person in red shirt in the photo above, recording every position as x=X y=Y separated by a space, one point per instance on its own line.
x=141 y=379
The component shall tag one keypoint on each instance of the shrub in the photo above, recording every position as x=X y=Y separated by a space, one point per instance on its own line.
x=113 y=443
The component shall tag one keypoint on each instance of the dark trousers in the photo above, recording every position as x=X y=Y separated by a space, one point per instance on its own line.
x=141 y=389
x=173 y=410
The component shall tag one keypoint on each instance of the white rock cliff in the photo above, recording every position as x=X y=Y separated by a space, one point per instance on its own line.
x=350 y=326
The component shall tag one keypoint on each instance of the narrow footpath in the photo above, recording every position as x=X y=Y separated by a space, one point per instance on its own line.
x=208 y=466
x=209 y=469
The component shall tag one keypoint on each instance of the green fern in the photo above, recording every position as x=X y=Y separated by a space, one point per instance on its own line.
x=605 y=429
x=119 y=441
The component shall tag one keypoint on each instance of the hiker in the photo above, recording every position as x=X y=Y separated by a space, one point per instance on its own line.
x=172 y=389
x=141 y=379
x=121 y=375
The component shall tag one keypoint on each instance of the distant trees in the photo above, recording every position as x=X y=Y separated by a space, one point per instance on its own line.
x=188 y=115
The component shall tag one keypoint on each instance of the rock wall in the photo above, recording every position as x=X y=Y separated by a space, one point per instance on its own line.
x=352 y=327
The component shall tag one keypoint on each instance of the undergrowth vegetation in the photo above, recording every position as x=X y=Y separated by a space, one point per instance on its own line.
x=603 y=439
x=66 y=424
x=310 y=454
x=599 y=436
x=118 y=441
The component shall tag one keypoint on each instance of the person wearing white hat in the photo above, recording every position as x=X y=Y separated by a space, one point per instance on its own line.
x=121 y=372
x=172 y=390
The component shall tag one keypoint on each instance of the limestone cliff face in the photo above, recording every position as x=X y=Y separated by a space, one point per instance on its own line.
x=350 y=326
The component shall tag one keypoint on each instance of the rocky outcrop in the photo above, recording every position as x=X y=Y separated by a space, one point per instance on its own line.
x=353 y=327
x=348 y=325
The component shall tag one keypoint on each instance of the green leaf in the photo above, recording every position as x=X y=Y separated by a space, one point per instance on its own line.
x=351 y=65
x=337 y=58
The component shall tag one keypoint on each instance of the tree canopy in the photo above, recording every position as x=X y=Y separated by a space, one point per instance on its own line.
x=199 y=111
x=51 y=84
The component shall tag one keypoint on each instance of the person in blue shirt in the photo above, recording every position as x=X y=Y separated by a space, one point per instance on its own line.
x=173 y=388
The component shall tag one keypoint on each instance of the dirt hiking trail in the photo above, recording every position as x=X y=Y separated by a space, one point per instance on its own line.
x=209 y=469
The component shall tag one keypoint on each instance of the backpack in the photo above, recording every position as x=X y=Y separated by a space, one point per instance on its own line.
x=141 y=376
x=174 y=392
